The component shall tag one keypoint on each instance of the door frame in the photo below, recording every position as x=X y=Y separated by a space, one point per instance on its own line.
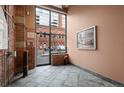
x=49 y=38
x=50 y=33
x=49 y=51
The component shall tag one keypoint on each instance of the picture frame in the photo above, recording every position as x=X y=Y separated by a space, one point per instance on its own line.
x=86 y=39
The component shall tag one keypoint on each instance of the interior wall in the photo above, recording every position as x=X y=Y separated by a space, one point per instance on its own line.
x=11 y=44
x=30 y=19
x=108 y=59
x=25 y=36
x=7 y=61
x=19 y=37
x=30 y=36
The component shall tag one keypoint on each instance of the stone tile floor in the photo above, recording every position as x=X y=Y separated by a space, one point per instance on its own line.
x=60 y=76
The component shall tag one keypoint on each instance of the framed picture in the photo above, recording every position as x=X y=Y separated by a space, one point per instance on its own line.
x=86 y=39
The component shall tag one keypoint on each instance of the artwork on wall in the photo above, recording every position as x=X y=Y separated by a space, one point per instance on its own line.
x=86 y=39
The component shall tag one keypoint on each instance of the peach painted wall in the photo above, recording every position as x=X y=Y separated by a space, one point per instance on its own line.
x=108 y=59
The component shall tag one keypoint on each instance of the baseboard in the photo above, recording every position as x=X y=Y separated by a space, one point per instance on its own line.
x=101 y=76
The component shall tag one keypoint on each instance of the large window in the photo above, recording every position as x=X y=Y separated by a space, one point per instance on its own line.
x=54 y=24
x=58 y=36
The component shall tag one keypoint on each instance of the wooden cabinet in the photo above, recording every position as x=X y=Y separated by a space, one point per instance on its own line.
x=59 y=59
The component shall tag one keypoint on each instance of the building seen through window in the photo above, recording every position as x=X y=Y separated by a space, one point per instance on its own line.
x=57 y=36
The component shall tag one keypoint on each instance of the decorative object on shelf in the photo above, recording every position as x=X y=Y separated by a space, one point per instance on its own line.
x=86 y=39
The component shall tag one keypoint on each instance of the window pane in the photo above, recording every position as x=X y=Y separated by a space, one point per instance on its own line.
x=42 y=16
x=58 y=32
x=63 y=22
x=54 y=19
x=57 y=43
x=42 y=20
x=57 y=28
x=57 y=23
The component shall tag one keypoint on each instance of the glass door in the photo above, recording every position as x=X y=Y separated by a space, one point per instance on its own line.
x=42 y=37
x=51 y=34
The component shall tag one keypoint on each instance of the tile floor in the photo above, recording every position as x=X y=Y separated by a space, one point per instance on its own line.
x=60 y=76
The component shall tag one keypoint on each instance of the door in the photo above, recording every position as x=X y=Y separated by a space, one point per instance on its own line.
x=42 y=37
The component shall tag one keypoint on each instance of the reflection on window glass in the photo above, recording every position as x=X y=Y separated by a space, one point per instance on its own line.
x=57 y=43
x=42 y=17
x=63 y=22
x=54 y=19
x=58 y=35
x=58 y=32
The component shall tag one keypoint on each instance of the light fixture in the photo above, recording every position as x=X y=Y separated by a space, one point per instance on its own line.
x=28 y=13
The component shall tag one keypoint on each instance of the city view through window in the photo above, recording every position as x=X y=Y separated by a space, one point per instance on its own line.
x=51 y=33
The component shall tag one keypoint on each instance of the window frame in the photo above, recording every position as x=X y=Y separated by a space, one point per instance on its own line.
x=50 y=26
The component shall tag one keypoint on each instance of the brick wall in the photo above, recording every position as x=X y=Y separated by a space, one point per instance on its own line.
x=30 y=46
x=24 y=24
x=19 y=38
x=7 y=62
x=30 y=40
x=1 y=67
x=11 y=36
